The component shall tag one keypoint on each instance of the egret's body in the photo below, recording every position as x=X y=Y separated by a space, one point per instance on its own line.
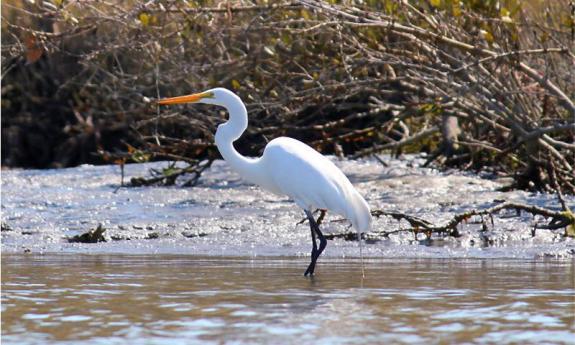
x=287 y=167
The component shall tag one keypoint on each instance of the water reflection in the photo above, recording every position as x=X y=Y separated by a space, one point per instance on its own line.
x=107 y=299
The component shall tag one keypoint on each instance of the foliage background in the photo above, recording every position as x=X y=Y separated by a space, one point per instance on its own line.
x=484 y=85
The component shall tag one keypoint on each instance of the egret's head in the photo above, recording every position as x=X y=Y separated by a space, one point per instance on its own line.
x=222 y=97
x=217 y=96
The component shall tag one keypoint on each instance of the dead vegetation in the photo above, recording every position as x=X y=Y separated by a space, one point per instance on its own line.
x=554 y=220
x=558 y=220
x=477 y=85
x=91 y=236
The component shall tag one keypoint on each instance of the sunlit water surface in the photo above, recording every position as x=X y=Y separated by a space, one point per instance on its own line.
x=170 y=299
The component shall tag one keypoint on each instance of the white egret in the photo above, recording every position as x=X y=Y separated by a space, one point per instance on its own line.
x=287 y=167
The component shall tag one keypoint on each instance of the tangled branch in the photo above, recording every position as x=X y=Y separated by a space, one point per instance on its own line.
x=472 y=86
x=558 y=219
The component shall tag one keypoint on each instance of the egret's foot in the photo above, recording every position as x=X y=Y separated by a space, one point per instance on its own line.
x=310 y=269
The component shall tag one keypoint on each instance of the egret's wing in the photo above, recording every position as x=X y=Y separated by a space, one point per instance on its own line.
x=306 y=176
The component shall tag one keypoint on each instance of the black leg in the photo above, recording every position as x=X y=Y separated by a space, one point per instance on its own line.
x=316 y=252
x=322 y=241
x=311 y=266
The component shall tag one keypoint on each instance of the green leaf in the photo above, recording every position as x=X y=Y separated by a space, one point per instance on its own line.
x=169 y=171
x=390 y=6
x=486 y=35
x=140 y=157
x=144 y=19
x=456 y=8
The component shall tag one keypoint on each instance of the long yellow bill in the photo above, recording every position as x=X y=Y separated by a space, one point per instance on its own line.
x=185 y=99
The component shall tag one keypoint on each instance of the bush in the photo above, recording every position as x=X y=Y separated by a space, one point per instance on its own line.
x=477 y=84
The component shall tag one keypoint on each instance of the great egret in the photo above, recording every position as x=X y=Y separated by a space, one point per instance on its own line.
x=287 y=167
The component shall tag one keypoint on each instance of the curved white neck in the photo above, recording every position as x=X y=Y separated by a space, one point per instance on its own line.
x=229 y=132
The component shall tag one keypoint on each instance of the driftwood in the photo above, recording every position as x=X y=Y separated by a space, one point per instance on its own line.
x=5 y=227
x=91 y=236
x=558 y=219
x=168 y=176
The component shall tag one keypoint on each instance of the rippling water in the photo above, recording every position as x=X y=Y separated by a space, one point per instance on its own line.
x=170 y=299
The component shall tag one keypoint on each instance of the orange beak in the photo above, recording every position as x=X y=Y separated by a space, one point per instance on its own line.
x=185 y=99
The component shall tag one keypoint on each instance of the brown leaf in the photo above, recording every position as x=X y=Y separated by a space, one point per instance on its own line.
x=34 y=50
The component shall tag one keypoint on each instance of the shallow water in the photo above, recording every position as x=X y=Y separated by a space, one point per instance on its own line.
x=171 y=299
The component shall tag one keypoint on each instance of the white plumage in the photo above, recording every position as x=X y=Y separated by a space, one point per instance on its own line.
x=287 y=167
x=313 y=181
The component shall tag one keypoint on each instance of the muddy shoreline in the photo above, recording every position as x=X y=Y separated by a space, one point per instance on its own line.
x=225 y=216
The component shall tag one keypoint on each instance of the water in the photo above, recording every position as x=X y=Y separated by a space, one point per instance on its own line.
x=223 y=262
x=175 y=299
